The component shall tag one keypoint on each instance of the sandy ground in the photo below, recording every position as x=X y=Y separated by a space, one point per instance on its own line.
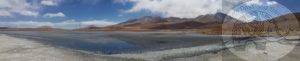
x=173 y=53
x=284 y=51
x=274 y=52
x=227 y=55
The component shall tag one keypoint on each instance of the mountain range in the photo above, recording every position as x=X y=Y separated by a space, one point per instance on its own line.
x=150 y=23
x=210 y=24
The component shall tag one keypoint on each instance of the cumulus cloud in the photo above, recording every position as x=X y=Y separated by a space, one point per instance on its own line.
x=176 y=8
x=228 y=5
x=268 y=9
x=69 y=24
x=10 y=8
x=194 y=8
x=92 y=2
x=97 y=23
x=5 y=13
x=182 y=8
x=21 y=7
x=261 y=2
x=51 y=15
x=50 y=2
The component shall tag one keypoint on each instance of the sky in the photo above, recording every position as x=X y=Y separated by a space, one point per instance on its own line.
x=72 y=14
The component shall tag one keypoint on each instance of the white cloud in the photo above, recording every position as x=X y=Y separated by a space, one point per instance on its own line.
x=10 y=8
x=29 y=13
x=91 y=2
x=228 y=5
x=194 y=8
x=21 y=7
x=5 y=13
x=269 y=9
x=50 y=2
x=97 y=23
x=176 y=8
x=51 y=15
x=261 y=2
x=69 y=24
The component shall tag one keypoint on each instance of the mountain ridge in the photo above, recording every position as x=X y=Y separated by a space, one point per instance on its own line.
x=156 y=22
x=210 y=23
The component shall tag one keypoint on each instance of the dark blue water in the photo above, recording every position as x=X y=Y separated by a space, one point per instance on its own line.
x=114 y=47
x=93 y=42
x=116 y=42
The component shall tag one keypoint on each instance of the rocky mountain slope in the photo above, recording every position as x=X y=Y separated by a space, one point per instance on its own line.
x=172 y=23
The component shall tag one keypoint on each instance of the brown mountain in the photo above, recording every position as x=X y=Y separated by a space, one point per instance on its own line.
x=282 y=25
x=159 y=23
x=42 y=28
x=288 y=22
x=142 y=21
x=209 y=24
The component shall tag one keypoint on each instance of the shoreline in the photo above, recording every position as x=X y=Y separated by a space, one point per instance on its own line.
x=19 y=49
x=23 y=48
x=296 y=33
x=72 y=54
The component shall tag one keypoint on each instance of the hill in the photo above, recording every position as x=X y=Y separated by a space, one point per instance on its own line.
x=156 y=23
x=42 y=28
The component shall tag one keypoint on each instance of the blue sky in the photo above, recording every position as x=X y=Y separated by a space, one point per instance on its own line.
x=81 y=10
x=69 y=13
x=293 y=5
x=101 y=9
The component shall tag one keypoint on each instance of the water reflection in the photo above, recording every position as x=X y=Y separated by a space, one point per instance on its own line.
x=118 y=42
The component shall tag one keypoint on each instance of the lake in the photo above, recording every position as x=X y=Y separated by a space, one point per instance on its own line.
x=117 y=42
